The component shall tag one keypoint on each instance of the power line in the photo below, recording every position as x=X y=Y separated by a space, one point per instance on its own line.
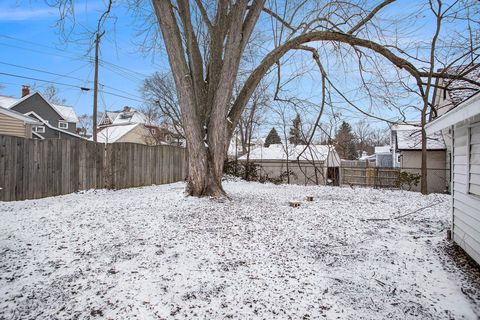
x=43 y=80
x=42 y=71
x=70 y=85
x=66 y=76
x=77 y=54
x=121 y=96
x=123 y=72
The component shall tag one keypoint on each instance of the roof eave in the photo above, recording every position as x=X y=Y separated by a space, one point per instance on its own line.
x=463 y=111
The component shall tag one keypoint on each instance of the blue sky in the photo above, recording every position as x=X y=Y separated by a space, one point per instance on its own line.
x=30 y=38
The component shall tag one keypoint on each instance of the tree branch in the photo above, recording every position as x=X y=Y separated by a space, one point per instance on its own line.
x=370 y=16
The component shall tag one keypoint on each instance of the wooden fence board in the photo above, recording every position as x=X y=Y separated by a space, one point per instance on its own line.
x=32 y=169
x=369 y=176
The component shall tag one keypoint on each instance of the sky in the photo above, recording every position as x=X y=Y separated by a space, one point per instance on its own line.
x=33 y=48
x=31 y=39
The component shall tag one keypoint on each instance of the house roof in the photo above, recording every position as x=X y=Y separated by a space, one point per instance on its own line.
x=467 y=109
x=409 y=137
x=66 y=112
x=278 y=152
x=461 y=90
x=383 y=149
x=368 y=157
x=112 y=134
x=126 y=117
x=19 y=116
x=6 y=101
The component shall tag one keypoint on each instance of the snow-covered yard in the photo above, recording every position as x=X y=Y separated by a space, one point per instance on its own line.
x=153 y=253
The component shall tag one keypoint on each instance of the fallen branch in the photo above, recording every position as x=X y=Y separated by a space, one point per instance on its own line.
x=404 y=215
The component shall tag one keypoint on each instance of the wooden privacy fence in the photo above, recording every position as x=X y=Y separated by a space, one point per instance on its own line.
x=32 y=169
x=370 y=176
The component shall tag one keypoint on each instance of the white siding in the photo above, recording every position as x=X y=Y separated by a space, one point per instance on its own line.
x=474 y=160
x=466 y=206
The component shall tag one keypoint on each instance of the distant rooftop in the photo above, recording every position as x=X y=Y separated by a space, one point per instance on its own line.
x=279 y=152
x=409 y=137
x=461 y=90
x=66 y=112
x=112 y=134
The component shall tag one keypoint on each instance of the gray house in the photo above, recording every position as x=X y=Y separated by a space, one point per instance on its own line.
x=57 y=121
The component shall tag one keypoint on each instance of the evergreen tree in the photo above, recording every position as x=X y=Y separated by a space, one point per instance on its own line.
x=345 y=142
x=296 y=136
x=272 y=138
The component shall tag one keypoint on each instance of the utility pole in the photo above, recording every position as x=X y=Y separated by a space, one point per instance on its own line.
x=95 y=86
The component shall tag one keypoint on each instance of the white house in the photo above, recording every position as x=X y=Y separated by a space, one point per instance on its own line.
x=314 y=164
x=131 y=125
x=463 y=123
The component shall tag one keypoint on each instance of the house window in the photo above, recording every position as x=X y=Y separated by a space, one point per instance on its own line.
x=474 y=159
x=63 y=125
x=38 y=129
x=153 y=131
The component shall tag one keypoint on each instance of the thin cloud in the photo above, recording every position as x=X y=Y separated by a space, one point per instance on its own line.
x=15 y=13
x=21 y=14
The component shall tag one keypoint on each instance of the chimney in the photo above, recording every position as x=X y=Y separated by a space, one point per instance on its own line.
x=25 y=91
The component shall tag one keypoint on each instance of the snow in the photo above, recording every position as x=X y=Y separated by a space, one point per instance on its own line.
x=461 y=90
x=409 y=137
x=133 y=116
x=383 y=149
x=151 y=252
x=279 y=152
x=67 y=113
x=112 y=134
x=6 y=101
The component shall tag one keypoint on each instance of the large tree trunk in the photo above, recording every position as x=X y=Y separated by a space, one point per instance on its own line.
x=204 y=178
x=205 y=161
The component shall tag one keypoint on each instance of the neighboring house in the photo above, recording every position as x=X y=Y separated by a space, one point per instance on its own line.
x=163 y=135
x=235 y=148
x=14 y=123
x=406 y=146
x=318 y=164
x=381 y=158
x=370 y=159
x=463 y=122
x=129 y=116
x=134 y=133
x=57 y=121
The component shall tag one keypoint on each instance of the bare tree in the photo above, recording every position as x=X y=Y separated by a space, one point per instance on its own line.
x=363 y=136
x=161 y=101
x=380 y=136
x=252 y=116
x=86 y=123
x=206 y=40
x=52 y=94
